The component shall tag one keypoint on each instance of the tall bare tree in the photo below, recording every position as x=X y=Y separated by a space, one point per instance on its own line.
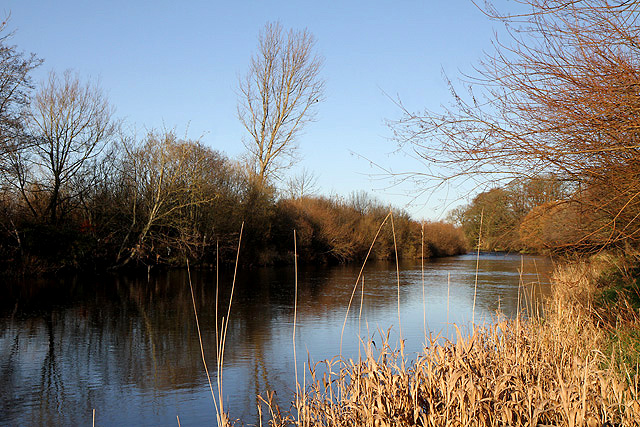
x=560 y=97
x=278 y=96
x=71 y=123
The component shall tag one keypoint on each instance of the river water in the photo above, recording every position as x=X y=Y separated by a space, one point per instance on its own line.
x=127 y=346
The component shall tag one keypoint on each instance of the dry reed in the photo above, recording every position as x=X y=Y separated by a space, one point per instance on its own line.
x=534 y=371
x=222 y=417
x=355 y=287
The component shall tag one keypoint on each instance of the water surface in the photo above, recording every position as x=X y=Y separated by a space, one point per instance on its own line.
x=128 y=346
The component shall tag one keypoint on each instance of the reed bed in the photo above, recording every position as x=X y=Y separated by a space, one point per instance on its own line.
x=545 y=370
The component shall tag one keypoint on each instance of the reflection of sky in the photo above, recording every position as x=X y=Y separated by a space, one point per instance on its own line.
x=130 y=349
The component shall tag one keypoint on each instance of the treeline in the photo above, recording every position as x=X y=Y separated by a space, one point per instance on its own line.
x=78 y=191
x=162 y=199
x=500 y=218
x=335 y=229
x=545 y=214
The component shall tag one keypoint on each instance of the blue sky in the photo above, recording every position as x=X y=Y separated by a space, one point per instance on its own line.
x=176 y=64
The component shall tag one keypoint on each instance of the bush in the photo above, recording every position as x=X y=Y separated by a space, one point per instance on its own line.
x=332 y=230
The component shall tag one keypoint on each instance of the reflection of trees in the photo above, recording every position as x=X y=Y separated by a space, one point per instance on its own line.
x=93 y=338
x=91 y=342
x=9 y=375
x=51 y=383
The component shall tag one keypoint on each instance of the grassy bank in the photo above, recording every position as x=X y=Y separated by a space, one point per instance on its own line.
x=571 y=366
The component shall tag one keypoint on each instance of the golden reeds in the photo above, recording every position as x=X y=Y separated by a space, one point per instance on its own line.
x=535 y=371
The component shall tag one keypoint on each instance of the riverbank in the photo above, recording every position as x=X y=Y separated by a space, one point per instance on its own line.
x=330 y=231
x=570 y=366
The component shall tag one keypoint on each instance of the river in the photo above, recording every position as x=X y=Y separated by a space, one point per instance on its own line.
x=127 y=346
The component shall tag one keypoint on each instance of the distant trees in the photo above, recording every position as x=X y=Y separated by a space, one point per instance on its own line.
x=301 y=185
x=498 y=214
x=561 y=98
x=490 y=216
x=278 y=96
x=339 y=230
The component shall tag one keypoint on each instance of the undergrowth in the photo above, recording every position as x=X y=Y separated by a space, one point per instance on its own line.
x=617 y=305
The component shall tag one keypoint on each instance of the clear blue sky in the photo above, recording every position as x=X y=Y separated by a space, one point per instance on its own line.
x=176 y=63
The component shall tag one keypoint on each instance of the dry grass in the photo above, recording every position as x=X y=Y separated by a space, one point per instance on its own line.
x=540 y=371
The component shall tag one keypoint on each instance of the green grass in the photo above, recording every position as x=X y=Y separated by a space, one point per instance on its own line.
x=617 y=303
x=623 y=350
x=620 y=286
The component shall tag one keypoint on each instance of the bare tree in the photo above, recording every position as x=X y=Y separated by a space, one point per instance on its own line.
x=278 y=96
x=15 y=87
x=560 y=98
x=169 y=179
x=301 y=185
x=71 y=123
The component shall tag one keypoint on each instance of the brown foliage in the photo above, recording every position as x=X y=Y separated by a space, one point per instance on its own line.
x=560 y=98
x=444 y=239
x=330 y=230
x=336 y=230
x=551 y=226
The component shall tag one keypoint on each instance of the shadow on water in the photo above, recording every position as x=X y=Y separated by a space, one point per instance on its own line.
x=128 y=346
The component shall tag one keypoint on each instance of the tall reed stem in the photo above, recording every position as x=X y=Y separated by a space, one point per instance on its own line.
x=475 y=286
x=424 y=301
x=448 y=289
x=204 y=361
x=217 y=292
x=295 y=313
x=346 y=316
x=395 y=249
x=222 y=421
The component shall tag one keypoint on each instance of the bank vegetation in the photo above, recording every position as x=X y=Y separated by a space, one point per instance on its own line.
x=79 y=190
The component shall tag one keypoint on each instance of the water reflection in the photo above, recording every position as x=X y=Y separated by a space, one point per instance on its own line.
x=128 y=347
